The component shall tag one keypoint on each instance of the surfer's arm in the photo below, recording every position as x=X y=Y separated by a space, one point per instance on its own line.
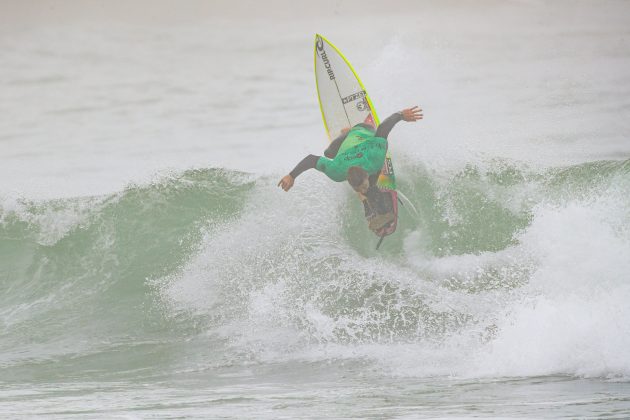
x=386 y=126
x=308 y=162
x=408 y=114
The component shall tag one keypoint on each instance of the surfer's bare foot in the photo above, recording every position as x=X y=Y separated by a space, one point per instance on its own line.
x=412 y=114
x=286 y=182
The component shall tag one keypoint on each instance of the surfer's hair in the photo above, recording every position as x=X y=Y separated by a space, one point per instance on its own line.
x=356 y=176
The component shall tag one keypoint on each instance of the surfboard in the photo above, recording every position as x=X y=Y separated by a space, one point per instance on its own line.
x=344 y=102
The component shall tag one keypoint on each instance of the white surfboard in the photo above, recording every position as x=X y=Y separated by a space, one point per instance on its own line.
x=344 y=102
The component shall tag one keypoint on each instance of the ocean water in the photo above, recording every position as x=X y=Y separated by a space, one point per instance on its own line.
x=151 y=268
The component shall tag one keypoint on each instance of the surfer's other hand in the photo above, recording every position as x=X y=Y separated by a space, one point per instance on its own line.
x=286 y=182
x=412 y=114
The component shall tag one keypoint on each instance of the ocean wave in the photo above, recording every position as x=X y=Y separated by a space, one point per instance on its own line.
x=506 y=270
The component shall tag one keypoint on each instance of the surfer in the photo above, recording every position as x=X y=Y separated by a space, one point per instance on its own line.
x=357 y=155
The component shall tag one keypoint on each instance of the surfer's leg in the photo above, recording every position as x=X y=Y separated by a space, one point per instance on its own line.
x=333 y=148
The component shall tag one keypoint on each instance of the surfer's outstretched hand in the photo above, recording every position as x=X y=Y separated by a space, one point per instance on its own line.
x=286 y=182
x=412 y=114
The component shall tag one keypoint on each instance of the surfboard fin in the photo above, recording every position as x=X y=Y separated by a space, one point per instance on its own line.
x=380 y=241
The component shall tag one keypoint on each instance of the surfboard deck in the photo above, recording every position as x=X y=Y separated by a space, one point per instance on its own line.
x=344 y=102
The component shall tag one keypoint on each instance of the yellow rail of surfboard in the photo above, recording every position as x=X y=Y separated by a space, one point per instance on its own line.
x=319 y=99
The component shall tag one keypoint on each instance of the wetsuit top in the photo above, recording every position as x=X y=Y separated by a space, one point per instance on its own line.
x=360 y=148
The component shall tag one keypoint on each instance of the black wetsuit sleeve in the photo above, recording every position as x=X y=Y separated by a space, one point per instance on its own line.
x=333 y=148
x=308 y=162
x=386 y=126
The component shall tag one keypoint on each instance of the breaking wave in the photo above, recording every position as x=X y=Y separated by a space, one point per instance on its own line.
x=504 y=271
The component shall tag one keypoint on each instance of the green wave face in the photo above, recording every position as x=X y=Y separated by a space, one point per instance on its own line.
x=76 y=272
x=211 y=268
x=482 y=208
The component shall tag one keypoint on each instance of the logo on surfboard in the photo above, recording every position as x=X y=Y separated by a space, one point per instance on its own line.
x=319 y=44
x=361 y=96
x=363 y=105
x=353 y=97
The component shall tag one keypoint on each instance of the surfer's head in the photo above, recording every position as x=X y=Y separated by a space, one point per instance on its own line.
x=358 y=178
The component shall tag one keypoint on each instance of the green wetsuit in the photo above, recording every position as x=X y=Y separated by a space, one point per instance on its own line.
x=360 y=148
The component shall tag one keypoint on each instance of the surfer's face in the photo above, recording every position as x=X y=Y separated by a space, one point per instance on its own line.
x=363 y=187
